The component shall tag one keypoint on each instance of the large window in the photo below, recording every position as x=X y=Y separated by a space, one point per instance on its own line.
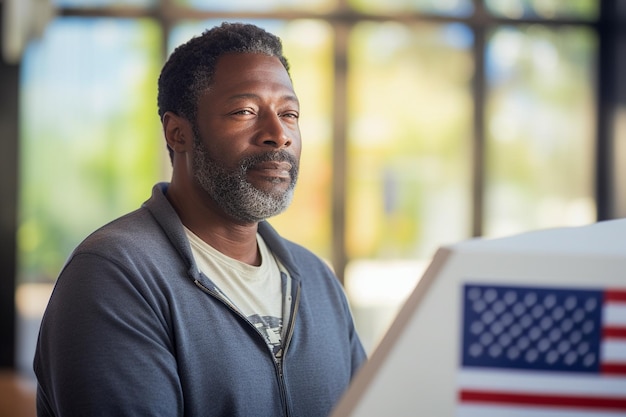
x=90 y=146
x=540 y=128
x=423 y=123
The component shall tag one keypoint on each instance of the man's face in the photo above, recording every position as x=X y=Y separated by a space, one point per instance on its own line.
x=247 y=139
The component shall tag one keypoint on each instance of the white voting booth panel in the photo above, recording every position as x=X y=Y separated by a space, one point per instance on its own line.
x=528 y=325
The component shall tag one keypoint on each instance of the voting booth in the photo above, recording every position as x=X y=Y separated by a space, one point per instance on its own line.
x=527 y=325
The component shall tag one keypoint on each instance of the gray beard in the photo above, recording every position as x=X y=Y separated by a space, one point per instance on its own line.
x=231 y=190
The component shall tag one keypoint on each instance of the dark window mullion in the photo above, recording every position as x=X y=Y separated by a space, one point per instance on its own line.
x=479 y=141
x=606 y=107
x=339 y=148
x=9 y=85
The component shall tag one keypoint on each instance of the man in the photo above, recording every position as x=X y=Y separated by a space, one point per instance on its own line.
x=193 y=305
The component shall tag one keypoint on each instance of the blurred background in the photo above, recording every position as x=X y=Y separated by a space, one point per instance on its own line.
x=424 y=122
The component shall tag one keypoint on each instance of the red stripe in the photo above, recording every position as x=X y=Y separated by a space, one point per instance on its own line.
x=615 y=295
x=510 y=398
x=614 y=332
x=613 y=368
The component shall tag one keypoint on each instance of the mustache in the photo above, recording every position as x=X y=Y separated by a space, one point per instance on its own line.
x=272 y=156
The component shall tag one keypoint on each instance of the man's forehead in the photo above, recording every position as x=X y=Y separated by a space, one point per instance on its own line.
x=241 y=63
x=235 y=73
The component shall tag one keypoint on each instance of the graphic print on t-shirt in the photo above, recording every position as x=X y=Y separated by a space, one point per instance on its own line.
x=270 y=327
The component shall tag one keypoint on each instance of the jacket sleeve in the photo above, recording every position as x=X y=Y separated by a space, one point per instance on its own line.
x=359 y=356
x=105 y=346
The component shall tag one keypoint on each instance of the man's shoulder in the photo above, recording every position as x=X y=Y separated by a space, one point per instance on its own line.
x=135 y=229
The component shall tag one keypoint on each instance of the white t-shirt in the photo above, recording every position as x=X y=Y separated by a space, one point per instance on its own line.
x=256 y=291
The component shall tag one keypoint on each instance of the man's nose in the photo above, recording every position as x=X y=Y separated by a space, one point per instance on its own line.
x=274 y=132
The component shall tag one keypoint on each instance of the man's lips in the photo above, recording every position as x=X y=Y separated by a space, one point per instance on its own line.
x=277 y=169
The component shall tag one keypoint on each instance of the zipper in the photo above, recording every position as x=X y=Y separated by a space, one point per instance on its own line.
x=277 y=359
x=292 y=321
x=280 y=363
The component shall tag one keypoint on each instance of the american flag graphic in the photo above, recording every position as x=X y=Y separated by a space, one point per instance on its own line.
x=542 y=352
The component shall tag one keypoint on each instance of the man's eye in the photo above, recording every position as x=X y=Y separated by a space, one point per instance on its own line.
x=244 y=112
x=293 y=115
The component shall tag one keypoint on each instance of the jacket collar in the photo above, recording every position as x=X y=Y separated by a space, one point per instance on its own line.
x=165 y=215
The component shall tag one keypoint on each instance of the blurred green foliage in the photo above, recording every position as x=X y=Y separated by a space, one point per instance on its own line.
x=90 y=135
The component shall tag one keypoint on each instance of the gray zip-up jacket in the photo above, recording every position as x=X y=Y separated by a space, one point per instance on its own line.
x=134 y=329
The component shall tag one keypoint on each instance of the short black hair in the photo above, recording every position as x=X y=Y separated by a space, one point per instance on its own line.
x=189 y=70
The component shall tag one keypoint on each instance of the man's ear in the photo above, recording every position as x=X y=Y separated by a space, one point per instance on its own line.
x=178 y=132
